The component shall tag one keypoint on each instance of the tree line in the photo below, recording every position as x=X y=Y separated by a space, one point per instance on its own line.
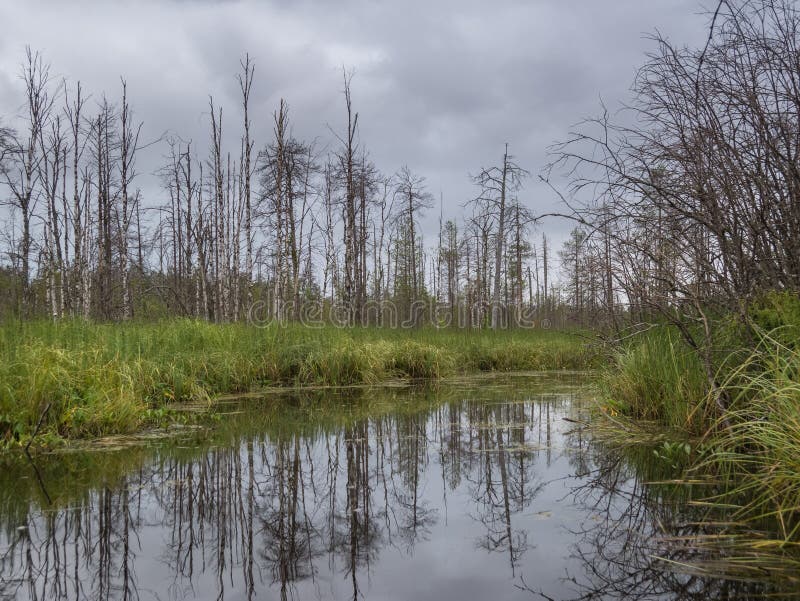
x=281 y=223
x=685 y=204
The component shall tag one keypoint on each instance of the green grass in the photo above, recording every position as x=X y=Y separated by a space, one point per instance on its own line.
x=752 y=450
x=657 y=378
x=759 y=453
x=101 y=379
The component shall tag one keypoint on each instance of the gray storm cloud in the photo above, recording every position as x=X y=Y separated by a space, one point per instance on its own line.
x=440 y=86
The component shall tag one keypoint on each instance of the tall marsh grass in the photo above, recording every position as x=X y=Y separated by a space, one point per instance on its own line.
x=657 y=378
x=753 y=450
x=758 y=454
x=100 y=379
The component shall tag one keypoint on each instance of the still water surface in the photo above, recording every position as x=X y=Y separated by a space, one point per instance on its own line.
x=485 y=488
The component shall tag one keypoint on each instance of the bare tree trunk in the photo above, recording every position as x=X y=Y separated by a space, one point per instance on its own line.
x=501 y=234
x=129 y=142
x=544 y=273
x=245 y=84
x=219 y=219
x=347 y=160
x=22 y=178
x=86 y=277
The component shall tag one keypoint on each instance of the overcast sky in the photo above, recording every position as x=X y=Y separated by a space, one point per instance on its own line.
x=439 y=85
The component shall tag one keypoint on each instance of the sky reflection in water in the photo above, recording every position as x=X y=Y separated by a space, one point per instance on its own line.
x=478 y=489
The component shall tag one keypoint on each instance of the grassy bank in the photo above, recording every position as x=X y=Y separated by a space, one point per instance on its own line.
x=104 y=379
x=753 y=449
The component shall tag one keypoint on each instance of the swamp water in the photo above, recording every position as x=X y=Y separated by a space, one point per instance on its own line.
x=481 y=488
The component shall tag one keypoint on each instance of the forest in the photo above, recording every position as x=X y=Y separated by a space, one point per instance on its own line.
x=284 y=262
x=238 y=221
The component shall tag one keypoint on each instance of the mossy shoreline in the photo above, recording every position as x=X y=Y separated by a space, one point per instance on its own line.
x=100 y=379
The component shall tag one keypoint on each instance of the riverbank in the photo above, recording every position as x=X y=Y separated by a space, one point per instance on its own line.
x=751 y=450
x=100 y=379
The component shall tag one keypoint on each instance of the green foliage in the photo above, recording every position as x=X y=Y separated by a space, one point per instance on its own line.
x=418 y=360
x=758 y=455
x=102 y=379
x=753 y=449
x=10 y=430
x=675 y=454
x=657 y=377
x=779 y=314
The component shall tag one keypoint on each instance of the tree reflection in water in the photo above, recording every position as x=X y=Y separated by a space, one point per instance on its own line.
x=640 y=536
x=425 y=489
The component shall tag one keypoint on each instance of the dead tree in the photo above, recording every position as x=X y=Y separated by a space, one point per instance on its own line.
x=347 y=158
x=24 y=155
x=496 y=185
x=411 y=197
x=129 y=144
x=245 y=85
x=219 y=221
x=697 y=187
x=52 y=147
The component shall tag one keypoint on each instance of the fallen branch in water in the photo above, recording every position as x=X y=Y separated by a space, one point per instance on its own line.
x=28 y=455
x=38 y=426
